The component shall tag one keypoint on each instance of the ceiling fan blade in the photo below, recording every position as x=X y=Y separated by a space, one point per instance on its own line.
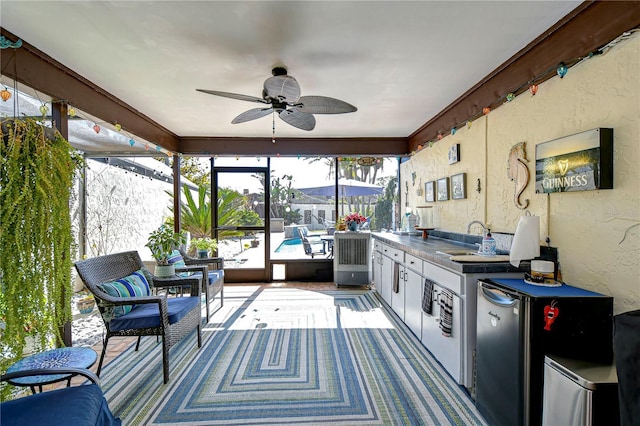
x=323 y=105
x=298 y=119
x=234 y=96
x=283 y=88
x=252 y=114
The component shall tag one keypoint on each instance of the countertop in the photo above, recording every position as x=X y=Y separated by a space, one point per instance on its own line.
x=426 y=250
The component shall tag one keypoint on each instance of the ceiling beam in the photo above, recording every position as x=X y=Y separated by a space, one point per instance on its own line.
x=331 y=147
x=586 y=29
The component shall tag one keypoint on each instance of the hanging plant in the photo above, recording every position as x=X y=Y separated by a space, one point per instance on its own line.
x=37 y=170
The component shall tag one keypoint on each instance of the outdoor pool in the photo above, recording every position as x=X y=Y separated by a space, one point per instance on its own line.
x=290 y=246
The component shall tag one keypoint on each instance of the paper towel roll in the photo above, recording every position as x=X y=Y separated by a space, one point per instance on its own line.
x=526 y=241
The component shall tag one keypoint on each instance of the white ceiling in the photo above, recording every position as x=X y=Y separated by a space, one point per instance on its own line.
x=399 y=62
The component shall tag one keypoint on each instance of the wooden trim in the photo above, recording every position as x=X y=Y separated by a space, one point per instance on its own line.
x=293 y=146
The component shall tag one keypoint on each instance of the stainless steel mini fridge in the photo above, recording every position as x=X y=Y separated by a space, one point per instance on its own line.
x=517 y=325
x=579 y=393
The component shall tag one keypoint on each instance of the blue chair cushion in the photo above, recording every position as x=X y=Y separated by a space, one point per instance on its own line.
x=78 y=405
x=134 y=285
x=215 y=275
x=148 y=315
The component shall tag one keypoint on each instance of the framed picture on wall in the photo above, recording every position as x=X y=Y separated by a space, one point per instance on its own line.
x=454 y=153
x=459 y=186
x=429 y=192
x=442 y=188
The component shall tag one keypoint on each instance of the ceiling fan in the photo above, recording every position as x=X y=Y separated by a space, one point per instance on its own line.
x=281 y=94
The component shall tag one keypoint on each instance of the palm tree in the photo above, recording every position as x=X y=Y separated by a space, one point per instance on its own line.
x=196 y=216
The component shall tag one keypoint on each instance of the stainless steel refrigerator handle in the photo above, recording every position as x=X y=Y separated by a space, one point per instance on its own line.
x=497 y=297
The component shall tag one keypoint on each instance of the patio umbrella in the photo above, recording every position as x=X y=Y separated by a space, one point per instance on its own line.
x=346 y=188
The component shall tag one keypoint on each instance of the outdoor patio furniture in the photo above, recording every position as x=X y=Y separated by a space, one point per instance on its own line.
x=213 y=268
x=78 y=357
x=118 y=283
x=313 y=247
x=77 y=405
x=312 y=244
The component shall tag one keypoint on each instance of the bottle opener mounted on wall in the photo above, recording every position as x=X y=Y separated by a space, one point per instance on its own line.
x=518 y=172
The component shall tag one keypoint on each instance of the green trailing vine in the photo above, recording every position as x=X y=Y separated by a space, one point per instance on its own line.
x=37 y=170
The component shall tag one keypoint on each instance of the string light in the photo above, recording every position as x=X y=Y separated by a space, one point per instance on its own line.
x=96 y=128
x=453 y=130
x=118 y=127
x=533 y=89
x=72 y=112
x=562 y=70
x=44 y=109
x=5 y=95
x=510 y=96
x=486 y=110
x=132 y=142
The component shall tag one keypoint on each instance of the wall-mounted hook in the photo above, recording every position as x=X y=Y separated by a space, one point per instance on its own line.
x=478 y=188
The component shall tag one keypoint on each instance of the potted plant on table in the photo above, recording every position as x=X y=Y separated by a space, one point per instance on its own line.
x=204 y=246
x=162 y=242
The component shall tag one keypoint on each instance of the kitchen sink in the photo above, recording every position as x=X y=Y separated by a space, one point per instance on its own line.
x=457 y=252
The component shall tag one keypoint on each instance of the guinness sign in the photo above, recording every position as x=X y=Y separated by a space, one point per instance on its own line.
x=579 y=162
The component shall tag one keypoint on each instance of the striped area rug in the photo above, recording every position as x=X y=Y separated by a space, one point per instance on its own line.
x=290 y=356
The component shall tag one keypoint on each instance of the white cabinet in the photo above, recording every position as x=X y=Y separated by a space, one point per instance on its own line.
x=397 y=298
x=446 y=349
x=386 y=278
x=390 y=256
x=413 y=300
x=376 y=269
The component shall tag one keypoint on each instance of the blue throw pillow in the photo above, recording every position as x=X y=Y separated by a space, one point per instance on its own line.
x=177 y=260
x=134 y=285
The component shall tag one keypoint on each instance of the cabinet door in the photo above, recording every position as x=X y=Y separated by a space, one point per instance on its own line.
x=447 y=350
x=397 y=299
x=386 y=278
x=413 y=301
x=377 y=271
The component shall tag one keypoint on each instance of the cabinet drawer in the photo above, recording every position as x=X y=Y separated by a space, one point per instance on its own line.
x=413 y=262
x=443 y=277
x=377 y=245
x=393 y=253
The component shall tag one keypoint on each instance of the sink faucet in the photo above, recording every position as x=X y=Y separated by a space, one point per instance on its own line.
x=484 y=228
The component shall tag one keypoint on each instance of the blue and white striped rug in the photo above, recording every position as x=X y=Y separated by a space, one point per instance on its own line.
x=290 y=356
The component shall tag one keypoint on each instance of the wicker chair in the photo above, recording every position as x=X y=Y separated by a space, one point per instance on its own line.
x=212 y=267
x=173 y=319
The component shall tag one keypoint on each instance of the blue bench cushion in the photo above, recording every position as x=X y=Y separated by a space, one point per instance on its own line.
x=134 y=285
x=148 y=315
x=78 y=406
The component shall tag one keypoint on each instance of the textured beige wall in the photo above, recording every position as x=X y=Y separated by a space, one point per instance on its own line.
x=587 y=227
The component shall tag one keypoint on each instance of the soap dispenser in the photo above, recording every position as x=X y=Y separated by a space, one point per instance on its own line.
x=488 y=245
